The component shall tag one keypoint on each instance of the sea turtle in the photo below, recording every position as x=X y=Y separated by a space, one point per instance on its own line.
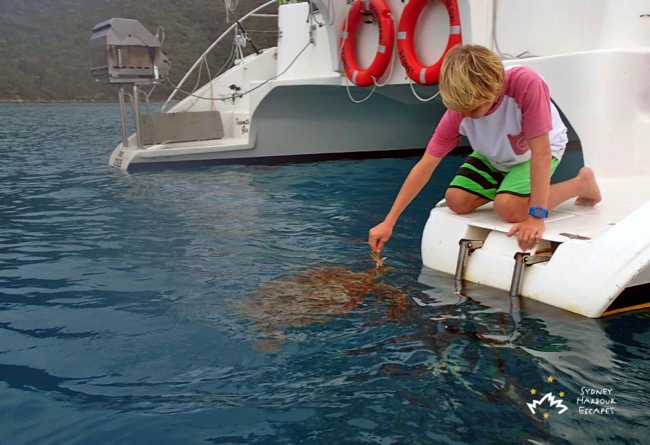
x=313 y=296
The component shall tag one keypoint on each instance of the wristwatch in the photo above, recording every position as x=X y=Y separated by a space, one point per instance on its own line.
x=538 y=212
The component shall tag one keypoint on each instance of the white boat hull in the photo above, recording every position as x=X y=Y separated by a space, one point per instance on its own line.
x=304 y=123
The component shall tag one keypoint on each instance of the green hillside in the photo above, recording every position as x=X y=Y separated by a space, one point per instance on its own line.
x=44 y=44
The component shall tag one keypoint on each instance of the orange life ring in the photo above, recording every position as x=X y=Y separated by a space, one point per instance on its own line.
x=418 y=72
x=379 y=9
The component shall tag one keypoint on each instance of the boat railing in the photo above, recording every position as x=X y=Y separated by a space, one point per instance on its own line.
x=233 y=28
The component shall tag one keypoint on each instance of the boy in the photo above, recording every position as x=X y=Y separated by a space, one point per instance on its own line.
x=518 y=140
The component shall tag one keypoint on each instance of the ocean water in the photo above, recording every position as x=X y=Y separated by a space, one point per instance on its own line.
x=151 y=308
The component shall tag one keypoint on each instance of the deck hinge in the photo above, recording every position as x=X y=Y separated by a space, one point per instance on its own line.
x=467 y=246
x=523 y=259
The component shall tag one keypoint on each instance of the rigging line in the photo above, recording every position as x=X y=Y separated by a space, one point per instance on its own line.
x=228 y=61
x=219 y=72
x=198 y=76
x=280 y=74
x=195 y=95
x=245 y=92
x=264 y=31
x=212 y=46
x=207 y=68
x=211 y=83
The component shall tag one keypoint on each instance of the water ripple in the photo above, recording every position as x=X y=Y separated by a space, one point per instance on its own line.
x=119 y=319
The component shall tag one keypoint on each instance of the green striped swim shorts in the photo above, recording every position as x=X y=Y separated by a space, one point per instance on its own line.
x=479 y=177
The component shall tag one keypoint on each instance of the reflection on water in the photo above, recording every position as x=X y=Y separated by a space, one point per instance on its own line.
x=121 y=320
x=580 y=356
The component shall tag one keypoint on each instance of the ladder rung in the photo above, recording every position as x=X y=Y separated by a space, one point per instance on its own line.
x=467 y=246
x=523 y=259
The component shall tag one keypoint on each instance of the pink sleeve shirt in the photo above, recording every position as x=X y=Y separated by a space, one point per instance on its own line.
x=523 y=112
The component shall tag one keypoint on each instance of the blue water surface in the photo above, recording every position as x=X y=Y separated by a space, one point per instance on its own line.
x=119 y=319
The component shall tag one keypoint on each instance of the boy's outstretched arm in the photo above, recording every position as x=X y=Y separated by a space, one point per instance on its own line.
x=414 y=182
x=531 y=229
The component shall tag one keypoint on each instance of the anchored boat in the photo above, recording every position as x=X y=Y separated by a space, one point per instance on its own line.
x=345 y=80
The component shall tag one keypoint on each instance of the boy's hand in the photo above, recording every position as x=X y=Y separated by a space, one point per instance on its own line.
x=528 y=232
x=378 y=235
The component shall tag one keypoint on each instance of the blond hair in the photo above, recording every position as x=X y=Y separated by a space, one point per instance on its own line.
x=471 y=76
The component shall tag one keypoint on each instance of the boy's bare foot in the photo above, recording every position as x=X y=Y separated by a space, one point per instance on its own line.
x=590 y=195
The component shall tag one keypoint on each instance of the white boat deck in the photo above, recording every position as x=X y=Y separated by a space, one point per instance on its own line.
x=204 y=146
x=568 y=221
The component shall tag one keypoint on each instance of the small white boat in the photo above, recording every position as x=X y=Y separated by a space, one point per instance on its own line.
x=292 y=102
x=593 y=261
